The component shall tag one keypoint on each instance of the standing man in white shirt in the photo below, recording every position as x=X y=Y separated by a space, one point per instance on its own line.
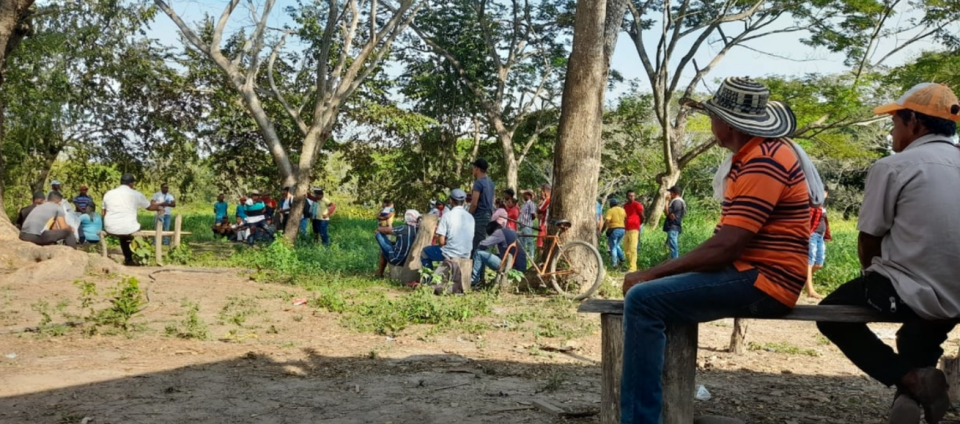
x=120 y=207
x=165 y=200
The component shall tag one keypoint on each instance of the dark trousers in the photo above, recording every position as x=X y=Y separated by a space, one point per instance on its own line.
x=50 y=237
x=125 y=247
x=480 y=222
x=918 y=340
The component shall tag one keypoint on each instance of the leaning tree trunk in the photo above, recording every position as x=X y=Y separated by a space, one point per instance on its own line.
x=671 y=157
x=576 y=165
x=14 y=26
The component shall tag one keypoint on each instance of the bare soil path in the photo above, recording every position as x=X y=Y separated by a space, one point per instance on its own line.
x=293 y=364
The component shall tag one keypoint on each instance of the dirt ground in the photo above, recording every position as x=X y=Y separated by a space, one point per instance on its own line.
x=292 y=364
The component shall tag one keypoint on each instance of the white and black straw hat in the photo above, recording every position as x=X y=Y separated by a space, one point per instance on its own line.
x=745 y=104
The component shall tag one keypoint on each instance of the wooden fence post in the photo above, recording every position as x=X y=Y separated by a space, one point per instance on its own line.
x=611 y=361
x=158 y=242
x=177 y=223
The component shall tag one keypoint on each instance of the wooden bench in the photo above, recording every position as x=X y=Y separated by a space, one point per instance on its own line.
x=157 y=235
x=680 y=355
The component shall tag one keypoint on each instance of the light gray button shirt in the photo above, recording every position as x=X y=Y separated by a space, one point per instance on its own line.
x=457 y=226
x=912 y=201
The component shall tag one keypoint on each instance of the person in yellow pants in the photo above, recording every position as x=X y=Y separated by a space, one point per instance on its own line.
x=633 y=224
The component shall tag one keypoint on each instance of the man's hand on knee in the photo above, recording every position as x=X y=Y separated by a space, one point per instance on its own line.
x=635 y=278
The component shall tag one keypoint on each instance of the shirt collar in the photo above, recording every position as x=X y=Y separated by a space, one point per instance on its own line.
x=754 y=142
x=927 y=139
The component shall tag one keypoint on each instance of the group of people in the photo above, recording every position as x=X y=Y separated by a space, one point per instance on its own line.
x=759 y=258
x=624 y=225
x=54 y=219
x=255 y=217
x=470 y=226
x=50 y=220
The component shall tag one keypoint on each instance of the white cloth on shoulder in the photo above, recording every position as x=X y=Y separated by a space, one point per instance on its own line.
x=814 y=183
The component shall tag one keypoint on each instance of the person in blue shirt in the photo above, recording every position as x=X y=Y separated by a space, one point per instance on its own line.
x=219 y=209
x=91 y=224
x=396 y=252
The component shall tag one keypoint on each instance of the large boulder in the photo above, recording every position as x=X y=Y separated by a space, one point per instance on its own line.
x=21 y=261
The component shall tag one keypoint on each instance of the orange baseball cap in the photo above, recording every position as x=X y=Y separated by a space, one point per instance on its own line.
x=931 y=99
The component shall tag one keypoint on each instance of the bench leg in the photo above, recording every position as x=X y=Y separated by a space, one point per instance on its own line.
x=611 y=361
x=679 y=371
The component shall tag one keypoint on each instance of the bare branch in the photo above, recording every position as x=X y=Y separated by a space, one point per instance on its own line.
x=696 y=151
x=294 y=113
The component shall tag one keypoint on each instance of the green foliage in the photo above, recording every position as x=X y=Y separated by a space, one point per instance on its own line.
x=143 y=250
x=237 y=310
x=127 y=300
x=46 y=327
x=182 y=254
x=192 y=326
x=782 y=347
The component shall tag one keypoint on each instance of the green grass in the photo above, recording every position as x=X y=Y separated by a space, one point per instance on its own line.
x=340 y=278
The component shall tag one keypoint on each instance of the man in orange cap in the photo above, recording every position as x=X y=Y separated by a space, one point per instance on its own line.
x=908 y=252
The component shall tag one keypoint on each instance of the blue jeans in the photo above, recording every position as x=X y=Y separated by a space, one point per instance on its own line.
x=481 y=258
x=818 y=250
x=681 y=299
x=166 y=226
x=303 y=225
x=529 y=242
x=386 y=248
x=320 y=227
x=672 y=236
x=429 y=255
x=614 y=240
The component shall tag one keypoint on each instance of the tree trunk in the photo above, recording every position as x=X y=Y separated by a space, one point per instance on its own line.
x=14 y=26
x=668 y=178
x=738 y=336
x=576 y=163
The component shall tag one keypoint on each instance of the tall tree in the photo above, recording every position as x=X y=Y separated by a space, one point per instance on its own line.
x=577 y=156
x=508 y=56
x=14 y=26
x=342 y=42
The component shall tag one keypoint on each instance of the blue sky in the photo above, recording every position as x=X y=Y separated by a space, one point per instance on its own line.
x=739 y=62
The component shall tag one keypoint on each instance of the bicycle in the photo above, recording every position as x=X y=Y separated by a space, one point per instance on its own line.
x=574 y=282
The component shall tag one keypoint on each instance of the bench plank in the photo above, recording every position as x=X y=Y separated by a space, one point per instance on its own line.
x=833 y=313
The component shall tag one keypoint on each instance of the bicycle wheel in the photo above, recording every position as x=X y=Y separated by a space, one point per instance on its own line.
x=577 y=270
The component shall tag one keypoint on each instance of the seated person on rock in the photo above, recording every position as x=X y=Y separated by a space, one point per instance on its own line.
x=395 y=253
x=223 y=228
x=47 y=224
x=38 y=199
x=908 y=252
x=91 y=224
x=755 y=264
x=454 y=233
x=503 y=239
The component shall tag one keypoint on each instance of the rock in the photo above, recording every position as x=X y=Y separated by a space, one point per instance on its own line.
x=716 y=419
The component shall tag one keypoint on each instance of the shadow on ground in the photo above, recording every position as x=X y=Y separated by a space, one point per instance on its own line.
x=419 y=389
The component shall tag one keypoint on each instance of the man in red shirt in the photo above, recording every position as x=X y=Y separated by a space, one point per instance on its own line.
x=513 y=212
x=633 y=224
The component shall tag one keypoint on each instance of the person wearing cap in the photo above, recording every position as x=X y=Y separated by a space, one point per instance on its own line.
x=286 y=202
x=47 y=225
x=675 y=210
x=481 y=200
x=614 y=222
x=82 y=200
x=396 y=252
x=543 y=212
x=321 y=211
x=38 y=199
x=755 y=263
x=505 y=240
x=167 y=203
x=120 y=207
x=55 y=188
x=908 y=251
x=454 y=233
x=528 y=212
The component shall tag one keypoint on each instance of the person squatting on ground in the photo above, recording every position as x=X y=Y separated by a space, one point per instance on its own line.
x=120 y=207
x=395 y=253
x=454 y=233
x=908 y=250
x=505 y=240
x=753 y=265
x=614 y=224
x=47 y=224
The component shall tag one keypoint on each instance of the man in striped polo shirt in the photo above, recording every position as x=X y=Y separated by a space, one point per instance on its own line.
x=756 y=262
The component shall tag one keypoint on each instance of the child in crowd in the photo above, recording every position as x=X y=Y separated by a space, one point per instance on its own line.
x=385 y=218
